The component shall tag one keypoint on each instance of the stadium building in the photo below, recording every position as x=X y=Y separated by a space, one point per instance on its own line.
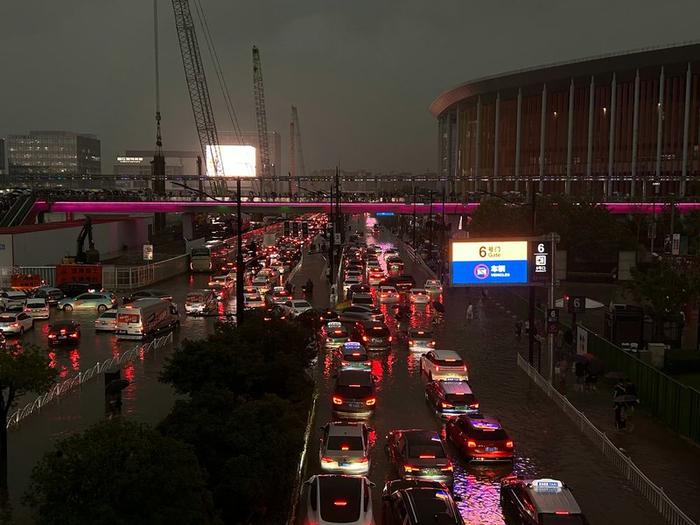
x=617 y=126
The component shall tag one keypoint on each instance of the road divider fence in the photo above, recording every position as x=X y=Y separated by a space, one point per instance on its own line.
x=653 y=493
x=60 y=389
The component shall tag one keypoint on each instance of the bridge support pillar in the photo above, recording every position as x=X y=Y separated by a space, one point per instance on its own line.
x=187 y=226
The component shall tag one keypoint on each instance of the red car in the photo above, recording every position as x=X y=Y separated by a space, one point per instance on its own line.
x=480 y=438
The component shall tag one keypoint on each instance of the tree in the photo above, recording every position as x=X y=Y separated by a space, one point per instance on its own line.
x=249 y=450
x=119 y=472
x=665 y=286
x=22 y=370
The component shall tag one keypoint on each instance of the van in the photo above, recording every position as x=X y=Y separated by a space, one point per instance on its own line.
x=146 y=318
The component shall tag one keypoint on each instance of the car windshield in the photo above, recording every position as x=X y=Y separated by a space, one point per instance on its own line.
x=432 y=507
x=488 y=435
x=62 y=326
x=460 y=399
x=449 y=361
x=420 y=334
x=36 y=304
x=344 y=443
x=128 y=318
x=362 y=300
x=425 y=446
x=195 y=298
x=301 y=304
x=378 y=331
x=7 y=318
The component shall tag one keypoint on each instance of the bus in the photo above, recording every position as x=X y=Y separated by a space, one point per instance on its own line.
x=203 y=259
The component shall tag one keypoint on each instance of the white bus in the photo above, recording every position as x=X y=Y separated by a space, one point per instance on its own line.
x=145 y=318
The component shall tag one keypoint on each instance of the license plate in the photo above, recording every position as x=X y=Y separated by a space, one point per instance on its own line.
x=377 y=340
x=62 y=337
x=355 y=404
x=342 y=462
x=491 y=449
x=121 y=331
x=430 y=471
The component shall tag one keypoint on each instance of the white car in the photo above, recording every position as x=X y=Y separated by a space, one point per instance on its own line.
x=37 y=308
x=333 y=499
x=420 y=340
x=419 y=296
x=200 y=302
x=10 y=298
x=261 y=284
x=388 y=294
x=349 y=281
x=444 y=364
x=296 y=307
x=107 y=321
x=15 y=323
x=433 y=286
x=391 y=252
x=252 y=301
x=345 y=448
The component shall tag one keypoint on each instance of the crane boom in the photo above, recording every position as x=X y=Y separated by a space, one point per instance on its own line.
x=301 y=168
x=198 y=89
x=261 y=118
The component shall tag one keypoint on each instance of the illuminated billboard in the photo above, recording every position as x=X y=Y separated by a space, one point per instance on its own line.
x=488 y=263
x=236 y=160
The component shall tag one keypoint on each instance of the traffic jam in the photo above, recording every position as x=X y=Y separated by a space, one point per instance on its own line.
x=386 y=325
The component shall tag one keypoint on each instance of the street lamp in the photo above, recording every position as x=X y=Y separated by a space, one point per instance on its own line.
x=239 y=243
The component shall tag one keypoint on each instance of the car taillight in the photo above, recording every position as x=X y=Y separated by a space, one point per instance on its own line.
x=437 y=368
x=337 y=400
x=74 y=335
x=363 y=459
x=365 y=338
x=371 y=401
x=474 y=405
x=427 y=456
x=340 y=503
x=446 y=405
x=464 y=368
x=509 y=444
x=344 y=363
x=338 y=332
x=447 y=468
x=409 y=468
x=411 y=342
x=52 y=336
x=432 y=343
x=390 y=338
x=471 y=443
x=326 y=460
x=15 y=325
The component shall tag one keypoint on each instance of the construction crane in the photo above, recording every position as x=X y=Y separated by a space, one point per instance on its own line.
x=296 y=153
x=199 y=93
x=261 y=118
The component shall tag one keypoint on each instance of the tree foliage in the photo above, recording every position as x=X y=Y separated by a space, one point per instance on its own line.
x=119 y=472
x=666 y=286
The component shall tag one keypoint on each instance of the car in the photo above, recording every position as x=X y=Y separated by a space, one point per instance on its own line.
x=479 y=438
x=37 y=308
x=419 y=296
x=75 y=289
x=333 y=499
x=278 y=295
x=297 y=307
x=403 y=283
x=350 y=281
x=345 y=448
x=15 y=323
x=372 y=263
x=375 y=276
x=51 y=294
x=388 y=294
x=419 y=454
x=420 y=339
x=200 y=302
x=390 y=252
x=10 y=298
x=328 y=315
x=88 y=301
x=418 y=502
x=444 y=364
x=357 y=288
x=353 y=355
x=353 y=395
x=262 y=284
x=274 y=312
x=362 y=299
x=107 y=321
x=253 y=301
x=143 y=294
x=360 y=313
x=433 y=286
x=395 y=266
x=374 y=335
x=451 y=398
x=336 y=334
x=539 y=502
x=62 y=332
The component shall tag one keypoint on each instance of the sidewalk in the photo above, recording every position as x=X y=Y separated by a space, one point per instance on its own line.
x=669 y=460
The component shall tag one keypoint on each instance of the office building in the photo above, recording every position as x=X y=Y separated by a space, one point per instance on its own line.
x=53 y=153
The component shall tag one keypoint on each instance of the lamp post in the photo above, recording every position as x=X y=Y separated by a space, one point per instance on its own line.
x=239 y=243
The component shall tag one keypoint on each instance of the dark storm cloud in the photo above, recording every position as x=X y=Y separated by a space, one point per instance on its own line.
x=361 y=72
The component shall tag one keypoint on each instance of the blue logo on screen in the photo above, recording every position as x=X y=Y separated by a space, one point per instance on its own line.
x=481 y=272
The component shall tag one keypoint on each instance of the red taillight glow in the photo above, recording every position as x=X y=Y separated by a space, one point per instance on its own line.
x=446 y=405
x=365 y=338
x=432 y=343
x=474 y=405
x=437 y=368
x=390 y=338
x=364 y=459
x=74 y=335
x=561 y=513
x=338 y=332
x=344 y=447
x=356 y=354
x=340 y=503
x=370 y=402
x=52 y=336
x=509 y=444
x=337 y=400
x=447 y=468
x=326 y=460
x=427 y=456
x=471 y=443
x=411 y=342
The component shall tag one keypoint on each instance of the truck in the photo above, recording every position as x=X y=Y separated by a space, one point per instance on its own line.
x=146 y=318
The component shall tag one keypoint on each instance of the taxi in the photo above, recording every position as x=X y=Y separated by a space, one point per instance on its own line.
x=336 y=334
x=539 y=502
x=353 y=355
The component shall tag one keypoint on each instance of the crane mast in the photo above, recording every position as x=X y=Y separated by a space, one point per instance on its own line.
x=261 y=118
x=301 y=168
x=199 y=91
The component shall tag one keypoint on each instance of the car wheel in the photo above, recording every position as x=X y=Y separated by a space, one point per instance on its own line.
x=67 y=308
x=101 y=308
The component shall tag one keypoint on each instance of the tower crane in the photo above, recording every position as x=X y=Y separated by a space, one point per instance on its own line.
x=261 y=118
x=199 y=92
x=297 y=154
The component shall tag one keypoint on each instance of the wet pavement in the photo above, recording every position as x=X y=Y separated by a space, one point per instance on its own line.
x=547 y=444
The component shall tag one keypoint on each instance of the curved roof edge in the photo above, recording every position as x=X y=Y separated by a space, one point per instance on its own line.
x=621 y=60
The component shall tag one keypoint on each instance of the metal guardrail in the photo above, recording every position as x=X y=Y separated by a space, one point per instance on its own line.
x=133 y=277
x=62 y=388
x=654 y=494
x=418 y=260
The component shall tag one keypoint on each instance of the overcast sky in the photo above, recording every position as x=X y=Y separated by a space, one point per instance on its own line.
x=361 y=72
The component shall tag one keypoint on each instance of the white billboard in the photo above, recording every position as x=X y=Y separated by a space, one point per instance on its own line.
x=236 y=160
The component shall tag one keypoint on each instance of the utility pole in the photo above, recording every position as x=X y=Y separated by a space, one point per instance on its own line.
x=531 y=304
x=338 y=214
x=239 y=257
x=414 y=217
x=331 y=240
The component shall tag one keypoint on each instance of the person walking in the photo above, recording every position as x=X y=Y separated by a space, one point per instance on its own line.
x=470 y=311
x=619 y=403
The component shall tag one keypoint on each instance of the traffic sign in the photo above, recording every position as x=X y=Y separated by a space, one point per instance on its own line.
x=576 y=304
x=552 y=320
x=540 y=261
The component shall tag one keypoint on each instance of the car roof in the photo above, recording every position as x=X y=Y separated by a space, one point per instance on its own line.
x=420 y=332
x=352 y=346
x=482 y=422
x=339 y=428
x=550 y=495
x=418 y=290
x=455 y=387
x=446 y=354
x=58 y=324
x=361 y=295
x=16 y=292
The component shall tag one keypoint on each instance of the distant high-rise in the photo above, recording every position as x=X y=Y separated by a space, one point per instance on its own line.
x=2 y=156
x=53 y=153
